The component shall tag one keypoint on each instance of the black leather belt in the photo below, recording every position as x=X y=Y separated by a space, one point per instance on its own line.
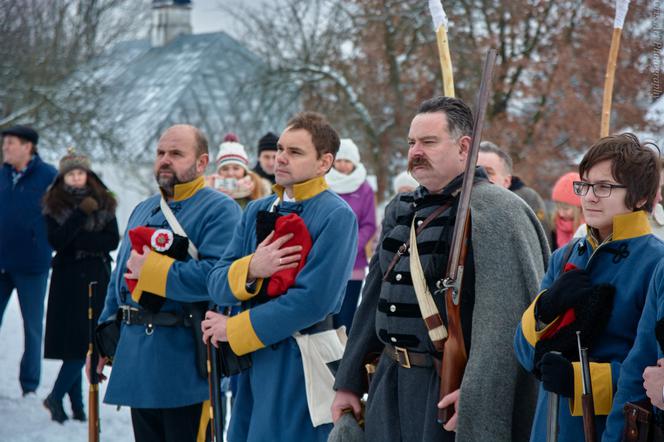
x=324 y=325
x=134 y=316
x=409 y=359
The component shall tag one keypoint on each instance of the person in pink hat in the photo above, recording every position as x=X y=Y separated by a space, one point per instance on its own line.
x=567 y=217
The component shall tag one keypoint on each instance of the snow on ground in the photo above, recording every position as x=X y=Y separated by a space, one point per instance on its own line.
x=26 y=419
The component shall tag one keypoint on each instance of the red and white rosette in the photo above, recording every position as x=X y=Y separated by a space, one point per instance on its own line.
x=162 y=240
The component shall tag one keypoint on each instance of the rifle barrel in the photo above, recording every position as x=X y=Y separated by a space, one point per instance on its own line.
x=454 y=354
x=214 y=378
x=471 y=163
x=552 y=418
x=587 y=401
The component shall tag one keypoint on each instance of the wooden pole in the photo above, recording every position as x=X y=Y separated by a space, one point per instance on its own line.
x=445 y=61
x=608 y=82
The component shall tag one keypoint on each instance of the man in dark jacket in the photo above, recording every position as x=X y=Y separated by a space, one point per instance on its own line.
x=267 y=152
x=25 y=255
x=498 y=166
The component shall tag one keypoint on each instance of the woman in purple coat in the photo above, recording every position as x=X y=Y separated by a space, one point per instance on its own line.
x=348 y=178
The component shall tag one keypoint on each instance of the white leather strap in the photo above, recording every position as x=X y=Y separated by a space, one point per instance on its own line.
x=176 y=227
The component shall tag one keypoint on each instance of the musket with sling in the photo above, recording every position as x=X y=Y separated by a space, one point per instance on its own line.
x=454 y=353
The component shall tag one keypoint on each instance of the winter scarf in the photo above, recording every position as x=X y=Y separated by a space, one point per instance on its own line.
x=341 y=183
x=564 y=231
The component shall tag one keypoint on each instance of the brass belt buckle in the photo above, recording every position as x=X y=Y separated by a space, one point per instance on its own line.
x=403 y=361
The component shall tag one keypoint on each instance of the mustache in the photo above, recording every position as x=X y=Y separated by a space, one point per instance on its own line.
x=418 y=161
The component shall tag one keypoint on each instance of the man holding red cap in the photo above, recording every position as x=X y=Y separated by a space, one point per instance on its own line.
x=171 y=242
x=304 y=227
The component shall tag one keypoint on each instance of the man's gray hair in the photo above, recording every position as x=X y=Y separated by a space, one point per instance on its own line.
x=489 y=147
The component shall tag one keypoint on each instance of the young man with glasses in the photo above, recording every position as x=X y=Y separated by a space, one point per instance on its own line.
x=596 y=285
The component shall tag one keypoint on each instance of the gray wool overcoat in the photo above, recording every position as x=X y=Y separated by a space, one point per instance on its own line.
x=509 y=256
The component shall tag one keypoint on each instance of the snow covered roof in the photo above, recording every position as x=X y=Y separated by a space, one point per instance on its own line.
x=197 y=79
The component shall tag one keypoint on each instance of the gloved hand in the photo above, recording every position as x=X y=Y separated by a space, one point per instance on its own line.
x=568 y=290
x=557 y=374
x=88 y=205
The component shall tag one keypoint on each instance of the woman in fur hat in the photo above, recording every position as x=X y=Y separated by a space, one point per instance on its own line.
x=82 y=229
x=348 y=178
x=233 y=176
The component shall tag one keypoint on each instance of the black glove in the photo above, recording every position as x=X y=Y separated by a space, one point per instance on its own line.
x=567 y=291
x=557 y=374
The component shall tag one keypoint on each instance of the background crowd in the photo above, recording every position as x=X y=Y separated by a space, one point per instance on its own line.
x=62 y=221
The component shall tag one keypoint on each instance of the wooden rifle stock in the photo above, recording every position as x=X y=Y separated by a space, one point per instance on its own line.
x=587 y=402
x=93 y=405
x=454 y=354
x=214 y=385
x=94 y=427
x=453 y=366
x=588 y=407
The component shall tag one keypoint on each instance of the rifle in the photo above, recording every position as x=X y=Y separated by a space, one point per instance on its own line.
x=587 y=403
x=454 y=354
x=216 y=417
x=94 y=427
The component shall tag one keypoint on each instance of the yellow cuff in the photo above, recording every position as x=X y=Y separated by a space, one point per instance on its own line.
x=241 y=335
x=529 y=323
x=237 y=279
x=602 y=386
x=154 y=275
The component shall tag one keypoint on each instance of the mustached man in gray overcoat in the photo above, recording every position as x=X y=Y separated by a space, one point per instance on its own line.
x=507 y=256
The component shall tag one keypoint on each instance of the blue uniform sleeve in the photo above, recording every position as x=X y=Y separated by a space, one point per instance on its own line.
x=112 y=301
x=527 y=333
x=185 y=281
x=218 y=278
x=644 y=353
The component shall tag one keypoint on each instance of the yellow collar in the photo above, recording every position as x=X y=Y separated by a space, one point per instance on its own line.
x=631 y=225
x=304 y=190
x=189 y=189
x=625 y=226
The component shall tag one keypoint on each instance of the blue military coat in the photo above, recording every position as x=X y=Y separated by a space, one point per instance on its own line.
x=158 y=369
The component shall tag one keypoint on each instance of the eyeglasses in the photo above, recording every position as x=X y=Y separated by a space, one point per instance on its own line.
x=601 y=190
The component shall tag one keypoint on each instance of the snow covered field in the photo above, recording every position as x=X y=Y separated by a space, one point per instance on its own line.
x=26 y=419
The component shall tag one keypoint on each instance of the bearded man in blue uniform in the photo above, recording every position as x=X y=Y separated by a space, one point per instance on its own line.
x=154 y=367
x=272 y=402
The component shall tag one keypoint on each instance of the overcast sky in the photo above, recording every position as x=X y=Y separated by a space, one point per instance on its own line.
x=207 y=15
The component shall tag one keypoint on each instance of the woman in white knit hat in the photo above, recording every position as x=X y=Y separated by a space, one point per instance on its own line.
x=404 y=182
x=348 y=178
x=233 y=176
